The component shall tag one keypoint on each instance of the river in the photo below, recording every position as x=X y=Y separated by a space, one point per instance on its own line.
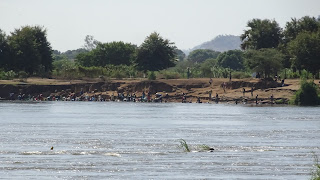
x=115 y=140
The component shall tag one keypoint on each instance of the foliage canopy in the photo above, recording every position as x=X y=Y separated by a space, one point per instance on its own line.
x=155 y=53
x=261 y=34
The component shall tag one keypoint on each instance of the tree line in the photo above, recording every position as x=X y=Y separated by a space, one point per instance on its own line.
x=267 y=49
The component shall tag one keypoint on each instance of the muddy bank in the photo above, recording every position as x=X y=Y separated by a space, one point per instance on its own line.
x=175 y=90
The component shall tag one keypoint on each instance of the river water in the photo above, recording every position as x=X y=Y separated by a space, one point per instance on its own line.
x=109 y=140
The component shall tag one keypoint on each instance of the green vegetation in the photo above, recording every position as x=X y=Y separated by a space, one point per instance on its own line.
x=183 y=145
x=200 y=55
x=267 y=50
x=155 y=53
x=114 y=53
x=26 y=49
x=307 y=95
x=186 y=148
x=315 y=175
x=261 y=34
x=268 y=61
x=151 y=75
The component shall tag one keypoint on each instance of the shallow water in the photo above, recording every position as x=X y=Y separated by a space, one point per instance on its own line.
x=108 y=140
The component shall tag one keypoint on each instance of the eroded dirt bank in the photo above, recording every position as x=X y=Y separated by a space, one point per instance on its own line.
x=192 y=89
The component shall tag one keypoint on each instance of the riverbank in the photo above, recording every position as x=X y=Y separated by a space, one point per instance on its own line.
x=173 y=90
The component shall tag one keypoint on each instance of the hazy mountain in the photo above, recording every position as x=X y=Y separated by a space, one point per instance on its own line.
x=220 y=43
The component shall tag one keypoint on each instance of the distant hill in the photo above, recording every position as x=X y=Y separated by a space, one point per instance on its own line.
x=220 y=43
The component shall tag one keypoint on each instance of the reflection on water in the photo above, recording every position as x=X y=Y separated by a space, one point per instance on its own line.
x=108 y=140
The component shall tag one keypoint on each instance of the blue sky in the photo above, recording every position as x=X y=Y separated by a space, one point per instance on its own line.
x=186 y=22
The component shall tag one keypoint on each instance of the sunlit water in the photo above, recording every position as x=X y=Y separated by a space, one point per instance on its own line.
x=108 y=140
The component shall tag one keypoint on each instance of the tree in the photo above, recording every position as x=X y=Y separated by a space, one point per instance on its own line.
x=267 y=61
x=206 y=67
x=31 y=50
x=261 y=34
x=305 y=50
x=115 y=53
x=200 y=55
x=231 y=59
x=180 y=54
x=4 y=51
x=86 y=59
x=293 y=28
x=155 y=53
x=90 y=43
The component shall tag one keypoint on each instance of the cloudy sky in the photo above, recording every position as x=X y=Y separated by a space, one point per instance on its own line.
x=186 y=22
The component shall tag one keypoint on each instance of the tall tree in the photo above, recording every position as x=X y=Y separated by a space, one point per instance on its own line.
x=305 y=24
x=90 y=43
x=231 y=59
x=261 y=34
x=4 y=51
x=156 y=53
x=265 y=61
x=305 y=50
x=31 y=50
x=200 y=55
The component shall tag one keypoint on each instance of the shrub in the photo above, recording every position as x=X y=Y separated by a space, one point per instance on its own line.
x=22 y=74
x=240 y=75
x=9 y=75
x=118 y=74
x=151 y=76
x=307 y=95
x=315 y=175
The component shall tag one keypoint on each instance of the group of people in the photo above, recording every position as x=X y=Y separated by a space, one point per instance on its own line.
x=83 y=96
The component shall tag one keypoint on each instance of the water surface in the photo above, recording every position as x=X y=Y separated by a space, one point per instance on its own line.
x=108 y=140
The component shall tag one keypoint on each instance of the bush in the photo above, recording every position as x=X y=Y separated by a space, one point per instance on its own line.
x=22 y=74
x=315 y=175
x=151 y=76
x=9 y=75
x=240 y=75
x=307 y=95
x=290 y=74
x=118 y=74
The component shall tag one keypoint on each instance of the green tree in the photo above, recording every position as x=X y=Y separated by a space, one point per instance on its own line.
x=31 y=50
x=294 y=27
x=4 y=51
x=180 y=54
x=267 y=61
x=206 y=67
x=305 y=50
x=261 y=34
x=200 y=55
x=86 y=59
x=115 y=53
x=72 y=54
x=155 y=53
x=232 y=59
